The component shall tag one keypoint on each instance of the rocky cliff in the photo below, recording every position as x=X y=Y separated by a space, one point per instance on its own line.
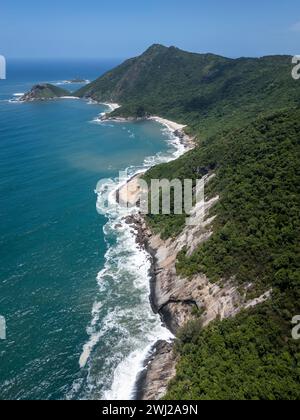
x=44 y=92
x=178 y=299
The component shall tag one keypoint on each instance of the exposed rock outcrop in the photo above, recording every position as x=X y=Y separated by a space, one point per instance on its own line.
x=178 y=299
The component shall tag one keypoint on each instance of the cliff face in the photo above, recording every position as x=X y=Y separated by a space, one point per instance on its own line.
x=44 y=92
x=160 y=368
x=178 y=299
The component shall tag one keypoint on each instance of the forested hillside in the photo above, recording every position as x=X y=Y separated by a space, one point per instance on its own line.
x=256 y=242
x=208 y=92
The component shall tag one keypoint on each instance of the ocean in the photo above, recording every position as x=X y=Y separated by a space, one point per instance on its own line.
x=74 y=285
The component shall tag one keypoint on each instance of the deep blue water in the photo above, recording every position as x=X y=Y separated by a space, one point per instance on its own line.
x=73 y=286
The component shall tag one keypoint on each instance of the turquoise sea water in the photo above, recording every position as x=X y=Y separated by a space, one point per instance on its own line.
x=73 y=284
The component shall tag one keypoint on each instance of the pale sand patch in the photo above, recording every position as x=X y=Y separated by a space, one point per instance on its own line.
x=171 y=125
x=131 y=192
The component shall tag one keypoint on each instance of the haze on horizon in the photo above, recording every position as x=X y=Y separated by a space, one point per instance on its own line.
x=101 y=29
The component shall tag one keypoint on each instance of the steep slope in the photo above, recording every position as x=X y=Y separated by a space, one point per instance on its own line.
x=248 y=252
x=142 y=78
x=44 y=92
x=246 y=116
x=205 y=91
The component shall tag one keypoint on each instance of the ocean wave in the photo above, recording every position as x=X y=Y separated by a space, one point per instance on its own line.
x=132 y=327
x=15 y=99
x=69 y=97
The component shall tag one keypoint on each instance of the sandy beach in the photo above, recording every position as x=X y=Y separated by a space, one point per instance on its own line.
x=112 y=107
x=171 y=125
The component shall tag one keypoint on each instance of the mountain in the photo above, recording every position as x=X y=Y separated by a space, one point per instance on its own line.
x=205 y=91
x=245 y=114
x=44 y=92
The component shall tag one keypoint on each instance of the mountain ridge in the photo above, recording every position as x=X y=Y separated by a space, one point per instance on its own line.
x=245 y=114
x=192 y=88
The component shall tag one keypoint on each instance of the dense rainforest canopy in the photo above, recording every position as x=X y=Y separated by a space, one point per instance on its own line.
x=245 y=114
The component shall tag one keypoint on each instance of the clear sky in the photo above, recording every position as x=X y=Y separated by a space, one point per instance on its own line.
x=124 y=28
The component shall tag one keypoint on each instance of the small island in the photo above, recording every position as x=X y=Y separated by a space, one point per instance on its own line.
x=42 y=92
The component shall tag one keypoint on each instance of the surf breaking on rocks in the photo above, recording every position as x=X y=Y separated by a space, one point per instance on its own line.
x=122 y=316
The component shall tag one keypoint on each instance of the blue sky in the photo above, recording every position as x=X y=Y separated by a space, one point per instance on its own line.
x=124 y=28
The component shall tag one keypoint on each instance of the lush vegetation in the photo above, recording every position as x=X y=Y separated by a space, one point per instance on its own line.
x=257 y=228
x=246 y=116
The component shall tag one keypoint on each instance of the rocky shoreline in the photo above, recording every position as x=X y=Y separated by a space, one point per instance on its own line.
x=160 y=365
x=176 y=299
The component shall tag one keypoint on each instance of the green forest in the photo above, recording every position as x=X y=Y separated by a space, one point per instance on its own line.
x=255 y=240
x=245 y=115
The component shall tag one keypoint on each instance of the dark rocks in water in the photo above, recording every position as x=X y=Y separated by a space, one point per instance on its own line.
x=159 y=369
x=140 y=228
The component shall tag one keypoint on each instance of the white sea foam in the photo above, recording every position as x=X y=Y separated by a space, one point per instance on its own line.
x=125 y=261
x=129 y=369
x=16 y=98
x=14 y=101
x=69 y=97
x=70 y=82
x=126 y=271
x=111 y=106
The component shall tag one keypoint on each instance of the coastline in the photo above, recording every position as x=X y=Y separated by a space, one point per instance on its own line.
x=159 y=367
x=175 y=128
x=138 y=266
x=112 y=106
x=155 y=366
x=173 y=297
